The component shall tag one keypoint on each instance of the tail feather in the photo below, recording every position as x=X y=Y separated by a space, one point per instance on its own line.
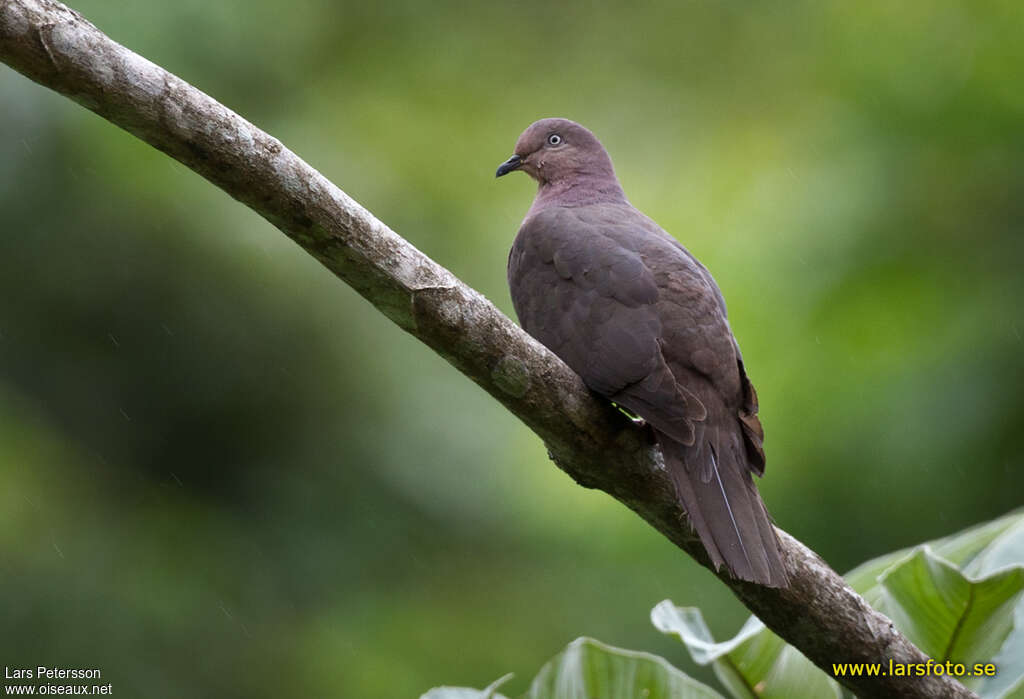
x=725 y=508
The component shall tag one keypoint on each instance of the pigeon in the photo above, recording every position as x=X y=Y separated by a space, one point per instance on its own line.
x=644 y=324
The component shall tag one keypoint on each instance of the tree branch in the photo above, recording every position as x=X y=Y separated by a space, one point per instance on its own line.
x=56 y=47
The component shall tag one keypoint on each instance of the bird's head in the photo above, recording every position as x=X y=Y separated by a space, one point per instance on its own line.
x=558 y=150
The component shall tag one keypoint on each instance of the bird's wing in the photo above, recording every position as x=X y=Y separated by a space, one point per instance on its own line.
x=698 y=337
x=579 y=288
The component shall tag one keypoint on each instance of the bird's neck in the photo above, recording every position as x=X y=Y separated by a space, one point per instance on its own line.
x=579 y=190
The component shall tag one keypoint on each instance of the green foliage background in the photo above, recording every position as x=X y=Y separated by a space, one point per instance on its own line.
x=223 y=473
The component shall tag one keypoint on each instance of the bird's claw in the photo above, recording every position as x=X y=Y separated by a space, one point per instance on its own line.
x=635 y=419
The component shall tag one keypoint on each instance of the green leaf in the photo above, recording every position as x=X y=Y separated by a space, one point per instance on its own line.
x=460 y=693
x=963 y=549
x=754 y=664
x=1004 y=548
x=589 y=669
x=958 y=598
x=945 y=613
x=1009 y=679
x=488 y=692
x=1016 y=691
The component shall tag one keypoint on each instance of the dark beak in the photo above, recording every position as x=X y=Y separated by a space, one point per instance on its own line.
x=509 y=165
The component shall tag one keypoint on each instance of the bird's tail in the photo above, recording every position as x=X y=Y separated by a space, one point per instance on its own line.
x=714 y=485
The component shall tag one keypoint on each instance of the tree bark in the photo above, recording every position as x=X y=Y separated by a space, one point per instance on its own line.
x=56 y=47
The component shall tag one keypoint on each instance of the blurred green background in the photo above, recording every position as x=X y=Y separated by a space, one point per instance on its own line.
x=222 y=473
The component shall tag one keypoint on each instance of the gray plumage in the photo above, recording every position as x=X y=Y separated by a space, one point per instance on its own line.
x=643 y=323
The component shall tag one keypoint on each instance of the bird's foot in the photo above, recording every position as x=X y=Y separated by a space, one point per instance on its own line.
x=635 y=419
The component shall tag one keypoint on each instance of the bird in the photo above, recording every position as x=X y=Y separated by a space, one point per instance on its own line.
x=644 y=324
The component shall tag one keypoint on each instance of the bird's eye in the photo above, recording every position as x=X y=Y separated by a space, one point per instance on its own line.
x=554 y=139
